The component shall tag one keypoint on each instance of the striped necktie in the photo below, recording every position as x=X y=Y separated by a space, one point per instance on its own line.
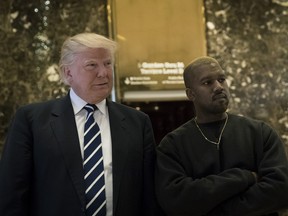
x=93 y=166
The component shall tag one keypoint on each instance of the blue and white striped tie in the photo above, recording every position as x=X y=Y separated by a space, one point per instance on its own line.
x=93 y=166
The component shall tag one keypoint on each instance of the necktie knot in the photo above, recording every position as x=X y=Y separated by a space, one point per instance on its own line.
x=90 y=108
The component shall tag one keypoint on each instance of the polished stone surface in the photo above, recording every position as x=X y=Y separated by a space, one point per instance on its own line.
x=31 y=36
x=250 y=39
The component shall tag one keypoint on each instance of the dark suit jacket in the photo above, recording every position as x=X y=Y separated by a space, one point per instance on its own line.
x=41 y=169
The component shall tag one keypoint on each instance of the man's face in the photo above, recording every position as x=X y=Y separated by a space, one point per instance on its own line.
x=209 y=90
x=91 y=74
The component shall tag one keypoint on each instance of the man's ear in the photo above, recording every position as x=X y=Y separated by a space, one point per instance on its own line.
x=67 y=74
x=190 y=94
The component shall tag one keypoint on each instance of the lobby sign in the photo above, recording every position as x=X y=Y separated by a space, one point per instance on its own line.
x=156 y=74
x=157 y=39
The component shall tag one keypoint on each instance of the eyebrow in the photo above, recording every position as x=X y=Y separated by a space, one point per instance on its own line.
x=89 y=60
x=213 y=77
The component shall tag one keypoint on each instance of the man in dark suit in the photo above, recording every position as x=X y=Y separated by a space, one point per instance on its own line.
x=42 y=166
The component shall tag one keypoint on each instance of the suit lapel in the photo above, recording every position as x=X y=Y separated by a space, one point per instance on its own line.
x=65 y=130
x=119 y=148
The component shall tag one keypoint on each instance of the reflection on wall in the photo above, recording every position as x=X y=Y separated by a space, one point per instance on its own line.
x=31 y=35
x=250 y=38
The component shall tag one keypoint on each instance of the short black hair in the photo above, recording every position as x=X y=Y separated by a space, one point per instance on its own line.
x=193 y=67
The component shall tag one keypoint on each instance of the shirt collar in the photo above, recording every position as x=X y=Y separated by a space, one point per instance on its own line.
x=78 y=103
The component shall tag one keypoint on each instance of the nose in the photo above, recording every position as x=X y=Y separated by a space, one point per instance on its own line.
x=218 y=87
x=102 y=71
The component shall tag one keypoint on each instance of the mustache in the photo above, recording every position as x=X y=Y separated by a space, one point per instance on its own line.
x=221 y=94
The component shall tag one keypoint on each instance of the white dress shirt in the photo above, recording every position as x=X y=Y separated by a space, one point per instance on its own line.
x=101 y=116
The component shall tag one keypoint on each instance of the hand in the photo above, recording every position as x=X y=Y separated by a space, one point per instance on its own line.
x=255 y=176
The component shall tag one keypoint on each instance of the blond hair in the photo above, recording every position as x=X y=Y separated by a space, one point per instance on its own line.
x=80 y=42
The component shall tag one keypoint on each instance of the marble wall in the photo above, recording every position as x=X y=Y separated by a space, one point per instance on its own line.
x=31 y=36
x=248 y=37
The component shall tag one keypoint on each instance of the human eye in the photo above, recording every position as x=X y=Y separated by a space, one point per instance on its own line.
x=108 y=63
x=222 y=79
x=207 y=82
x=90 y=65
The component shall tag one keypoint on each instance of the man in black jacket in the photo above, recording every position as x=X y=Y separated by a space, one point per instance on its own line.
x=219 y=163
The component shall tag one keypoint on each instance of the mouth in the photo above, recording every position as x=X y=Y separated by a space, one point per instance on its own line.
x=219 y=96
x=101 y=84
